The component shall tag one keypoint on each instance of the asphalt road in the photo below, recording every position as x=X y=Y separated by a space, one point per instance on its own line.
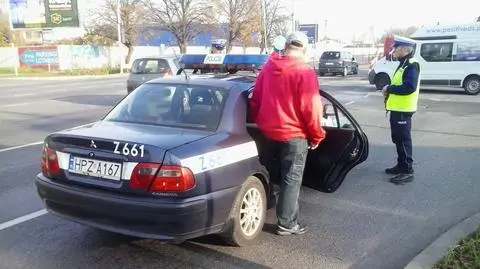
x=367 y=223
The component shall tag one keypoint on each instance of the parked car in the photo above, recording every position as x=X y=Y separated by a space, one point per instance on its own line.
x=148 y=68
x=337 y=62
x=180 y=158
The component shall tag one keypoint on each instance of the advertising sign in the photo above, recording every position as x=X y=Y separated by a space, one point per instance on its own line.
x=61 y=13
x=37 y=14
x=311 y=30
x=27 y=14
x=38 y=57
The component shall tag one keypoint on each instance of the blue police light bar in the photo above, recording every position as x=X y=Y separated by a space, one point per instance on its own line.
x=224 y=62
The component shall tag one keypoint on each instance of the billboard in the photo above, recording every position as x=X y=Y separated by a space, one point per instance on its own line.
x=61 y=13
x=27 y=13
x=38 y=57
x=311 y=30
x=37 y=14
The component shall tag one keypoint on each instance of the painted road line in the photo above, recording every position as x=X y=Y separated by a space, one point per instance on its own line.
x=21 y=146
x=41 y=142
x=23 y=94
x=22 y=219
x=349 y=103
x=17 y=104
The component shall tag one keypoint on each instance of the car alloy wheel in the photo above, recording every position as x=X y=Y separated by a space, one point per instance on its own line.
x=251 y=212
x=248 y=214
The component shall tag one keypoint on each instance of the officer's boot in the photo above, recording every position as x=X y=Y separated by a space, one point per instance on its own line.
x=396 y=170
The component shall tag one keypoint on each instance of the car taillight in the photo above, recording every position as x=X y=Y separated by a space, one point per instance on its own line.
x=173 y=179
x=169 y=72
x=143 y=175
x=49 y=162
x=149 y=176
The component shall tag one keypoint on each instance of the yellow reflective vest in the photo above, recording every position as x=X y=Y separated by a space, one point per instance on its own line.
x=403 y=103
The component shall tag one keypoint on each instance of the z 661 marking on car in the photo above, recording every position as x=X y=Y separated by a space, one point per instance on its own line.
x=132 y=151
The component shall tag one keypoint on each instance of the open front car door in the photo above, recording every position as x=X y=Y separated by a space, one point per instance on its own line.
x=344 y=147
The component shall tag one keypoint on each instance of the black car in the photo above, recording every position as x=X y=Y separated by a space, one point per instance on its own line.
x=178 y=158
x=337 y=62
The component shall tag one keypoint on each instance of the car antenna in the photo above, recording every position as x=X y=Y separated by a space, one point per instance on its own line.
x=181 y=68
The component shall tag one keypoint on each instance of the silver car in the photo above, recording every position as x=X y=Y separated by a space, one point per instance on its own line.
x=148 y=68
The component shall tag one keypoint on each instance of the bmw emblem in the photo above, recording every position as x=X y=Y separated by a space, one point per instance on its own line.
x=91 y=154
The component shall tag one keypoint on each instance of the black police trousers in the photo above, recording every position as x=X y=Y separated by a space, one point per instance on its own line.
x=401 y=126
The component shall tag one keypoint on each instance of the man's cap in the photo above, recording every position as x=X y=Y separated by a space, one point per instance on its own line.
x=400 y=41
x=297 y=39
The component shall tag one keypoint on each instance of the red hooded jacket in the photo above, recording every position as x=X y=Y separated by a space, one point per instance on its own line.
x=286 y=102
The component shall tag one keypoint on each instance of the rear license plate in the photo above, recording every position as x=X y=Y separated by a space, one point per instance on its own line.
x=329 y=63
x=95 y=168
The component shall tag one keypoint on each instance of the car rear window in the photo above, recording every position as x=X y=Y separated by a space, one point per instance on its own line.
x=174 y=105
x=330 y=55
x=150 y=66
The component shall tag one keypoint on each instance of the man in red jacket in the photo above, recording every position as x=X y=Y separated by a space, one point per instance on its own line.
x=287 y=108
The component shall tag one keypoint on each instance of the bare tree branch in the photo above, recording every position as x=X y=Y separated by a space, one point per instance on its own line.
x=240 y=16
x=180 y=17
x=104 y=21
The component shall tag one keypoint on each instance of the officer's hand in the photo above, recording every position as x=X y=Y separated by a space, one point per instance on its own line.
x=384 y=89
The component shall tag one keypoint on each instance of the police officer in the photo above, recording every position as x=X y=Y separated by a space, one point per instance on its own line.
x=401 y=99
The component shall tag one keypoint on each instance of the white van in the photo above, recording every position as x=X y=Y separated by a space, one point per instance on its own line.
x=449 y=57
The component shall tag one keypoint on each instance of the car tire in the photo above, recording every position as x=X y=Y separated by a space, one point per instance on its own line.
x=235 y=233
x=381 y=80
x=472 y=85
x=356 y=71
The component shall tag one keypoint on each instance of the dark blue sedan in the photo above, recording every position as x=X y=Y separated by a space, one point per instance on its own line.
x=178 y=158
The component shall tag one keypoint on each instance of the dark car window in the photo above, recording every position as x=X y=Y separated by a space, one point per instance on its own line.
x=330 y=55
x=150 y=66
x=175 y=105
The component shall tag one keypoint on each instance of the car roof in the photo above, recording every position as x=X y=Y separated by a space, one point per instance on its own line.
x=227 y=81
x=167 y=57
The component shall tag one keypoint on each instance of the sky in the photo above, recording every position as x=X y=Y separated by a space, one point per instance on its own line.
x=346 y=18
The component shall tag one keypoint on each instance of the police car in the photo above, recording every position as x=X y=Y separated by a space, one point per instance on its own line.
x=179 y=158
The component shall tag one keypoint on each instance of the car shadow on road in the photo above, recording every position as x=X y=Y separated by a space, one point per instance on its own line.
x=150 y=251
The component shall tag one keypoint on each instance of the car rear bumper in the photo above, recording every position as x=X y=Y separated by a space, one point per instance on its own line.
x=137 y=216
x=330 y=69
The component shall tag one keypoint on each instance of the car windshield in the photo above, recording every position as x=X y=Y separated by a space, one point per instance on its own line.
x=173 y=105
x=330 y=55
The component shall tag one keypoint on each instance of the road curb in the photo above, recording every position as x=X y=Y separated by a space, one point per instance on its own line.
x=66 y=77
x=436 y=250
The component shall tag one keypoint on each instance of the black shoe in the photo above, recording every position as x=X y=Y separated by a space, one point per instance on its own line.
x=402 y=179
x=396 y=170
x=297 y=229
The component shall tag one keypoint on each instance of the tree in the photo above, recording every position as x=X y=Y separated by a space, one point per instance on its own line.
x=276 y=21
x=239 y=16
x=132 y=14
x=5 y=34
x=182 y=18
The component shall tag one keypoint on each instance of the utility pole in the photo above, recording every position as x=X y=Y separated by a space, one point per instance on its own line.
x=119 y=33
x=293 y=17
x=264 y=11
